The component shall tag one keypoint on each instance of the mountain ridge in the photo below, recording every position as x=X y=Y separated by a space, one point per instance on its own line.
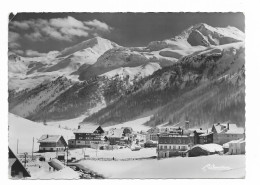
x=119 y=77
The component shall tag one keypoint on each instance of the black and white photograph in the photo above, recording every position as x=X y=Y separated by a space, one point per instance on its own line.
x=126 y=95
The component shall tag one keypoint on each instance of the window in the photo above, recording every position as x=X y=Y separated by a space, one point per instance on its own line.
x=161 y=147
x=165 y=147
x=170 y=147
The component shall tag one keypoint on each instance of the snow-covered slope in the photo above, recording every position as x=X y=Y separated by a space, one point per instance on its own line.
x=199 y=35
x=105 y=70
x=39 y=97
x=136 y=125
x=133 y=72
x=24 y=70
x=24 y=130
x=86 y=52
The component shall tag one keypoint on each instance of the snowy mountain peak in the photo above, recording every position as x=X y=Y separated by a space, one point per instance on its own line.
x=96 y=43
x=199 y=35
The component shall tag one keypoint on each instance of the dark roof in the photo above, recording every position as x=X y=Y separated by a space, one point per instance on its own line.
x=11 y=156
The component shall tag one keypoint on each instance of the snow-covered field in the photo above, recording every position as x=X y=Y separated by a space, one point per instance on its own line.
x=215 y=166
x=116 y=153
x=24 y=130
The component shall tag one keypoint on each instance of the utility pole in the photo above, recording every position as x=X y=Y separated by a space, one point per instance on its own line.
x=158 y=135
x=17 y=146
x=67 y=155
x=25 y=154
x=32 y=148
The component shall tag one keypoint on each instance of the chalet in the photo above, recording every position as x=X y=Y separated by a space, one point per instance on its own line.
x=225 y=132
x=173 y=145
x=152 y=134
x=86 y=136
x=49 y=143
x=118 y=137
x=202 y=136
x=15 y=168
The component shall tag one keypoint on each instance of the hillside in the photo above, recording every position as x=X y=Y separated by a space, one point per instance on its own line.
x=197 y=75
x=19 y=126
x=185 y=91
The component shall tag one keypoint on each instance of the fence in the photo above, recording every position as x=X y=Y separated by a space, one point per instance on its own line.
x=116 y=159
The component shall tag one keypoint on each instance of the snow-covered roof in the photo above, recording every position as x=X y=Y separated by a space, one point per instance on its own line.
x=228 y=128
x=86 y=129
x=212 y=147
x=226 y=145
x=236 y=131
x=200 y=131
x=206 y=134
x=116 y=133
x=49 y=138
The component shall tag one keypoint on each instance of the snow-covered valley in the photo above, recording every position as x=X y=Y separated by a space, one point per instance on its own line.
x=177 y=168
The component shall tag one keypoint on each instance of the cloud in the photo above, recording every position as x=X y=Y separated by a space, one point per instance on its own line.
x=13 y=38
x=74 y=32
x=18 y=51
x=22 y=25
x=98 y=25
x=68 y=22
x=62 y=29
x=34 y=36
x=32 y=53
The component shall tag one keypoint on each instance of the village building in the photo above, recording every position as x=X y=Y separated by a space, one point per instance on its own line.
x=235 y=147
x=50 y=143
x=172 y=130
x=206 y=138
x=118 y=136
x=152 y=134
x=225 y=132
x=138 y=138
x=15 y=168
x=173 y=145
x=87 y=136
x=202 y=136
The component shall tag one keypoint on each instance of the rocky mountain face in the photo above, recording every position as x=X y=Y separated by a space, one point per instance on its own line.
x=198 y=76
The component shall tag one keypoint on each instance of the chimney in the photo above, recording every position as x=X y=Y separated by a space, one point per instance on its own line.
x=47 y=136
x=200 y=128
x=79 y=127
x=228 y=126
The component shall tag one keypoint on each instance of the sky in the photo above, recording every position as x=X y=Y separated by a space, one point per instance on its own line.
x=35 y=34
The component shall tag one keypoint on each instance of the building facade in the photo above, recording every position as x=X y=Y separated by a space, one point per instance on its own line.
x=173 y=145
x=86 y=137
x=50 y=143
x=225 y=132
